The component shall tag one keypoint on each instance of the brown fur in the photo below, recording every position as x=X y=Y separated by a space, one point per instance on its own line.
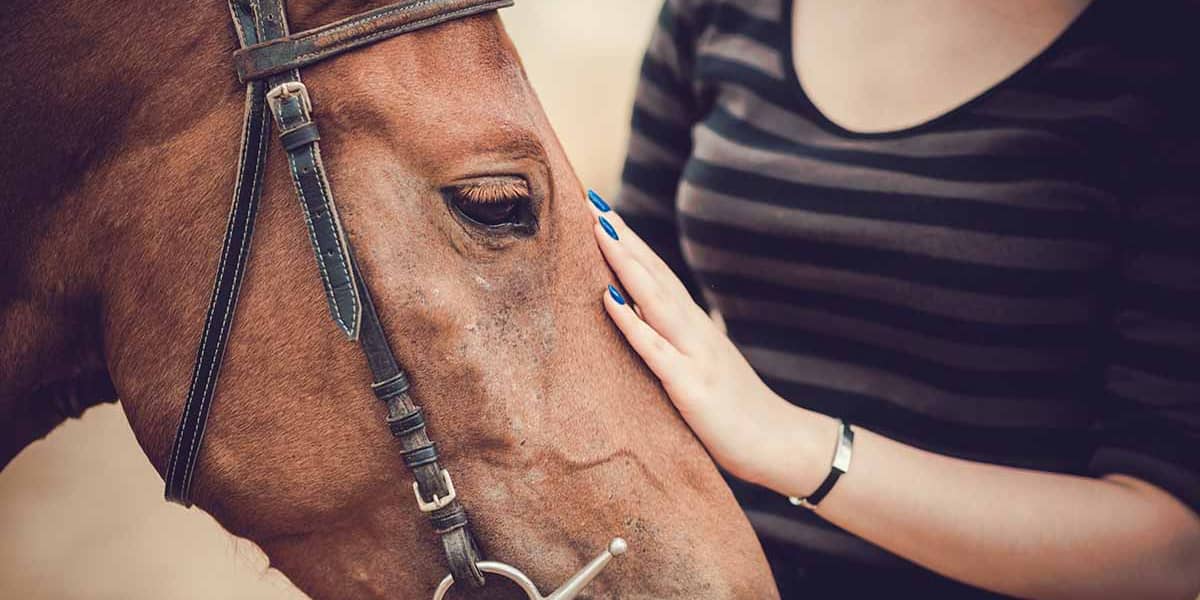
x=121 y=130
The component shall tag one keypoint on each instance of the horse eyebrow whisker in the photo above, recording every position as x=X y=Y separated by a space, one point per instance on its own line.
x=499 y=189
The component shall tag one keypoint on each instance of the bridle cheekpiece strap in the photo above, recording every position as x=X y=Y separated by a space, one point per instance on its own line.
x=269 y=64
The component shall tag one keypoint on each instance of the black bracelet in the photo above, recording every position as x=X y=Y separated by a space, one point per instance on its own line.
x=842 y=453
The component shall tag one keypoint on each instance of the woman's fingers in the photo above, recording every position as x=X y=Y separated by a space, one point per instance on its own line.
x=660 y=298
x=640 y=251
x=658 y=304
x=658 y=353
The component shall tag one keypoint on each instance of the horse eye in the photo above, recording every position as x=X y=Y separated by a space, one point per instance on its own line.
x=491 y=214
x=498 y=205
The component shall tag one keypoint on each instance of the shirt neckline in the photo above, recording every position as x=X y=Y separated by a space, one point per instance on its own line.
x=793 y=77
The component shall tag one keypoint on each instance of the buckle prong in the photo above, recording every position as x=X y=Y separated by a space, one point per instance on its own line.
x=286 y=90
x=438 y=502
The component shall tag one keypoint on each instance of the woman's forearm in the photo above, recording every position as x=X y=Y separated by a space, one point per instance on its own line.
x=1019 y=532
x=1014 y=531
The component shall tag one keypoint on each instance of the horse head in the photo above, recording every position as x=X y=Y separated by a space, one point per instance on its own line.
x=473 y=235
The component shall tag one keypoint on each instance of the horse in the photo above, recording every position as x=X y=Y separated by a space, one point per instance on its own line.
x=121 y=139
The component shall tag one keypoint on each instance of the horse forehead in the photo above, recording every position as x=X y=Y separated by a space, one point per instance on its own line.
x=469 y=61
x=451 y=91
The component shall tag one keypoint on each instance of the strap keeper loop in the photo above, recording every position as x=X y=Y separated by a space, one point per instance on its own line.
x=455 y=519
x=392 y=387
x=300 y=136
x=407 y=424
x=420 y=456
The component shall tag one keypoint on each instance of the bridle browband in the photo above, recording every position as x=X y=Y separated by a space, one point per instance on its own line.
x=268 y=62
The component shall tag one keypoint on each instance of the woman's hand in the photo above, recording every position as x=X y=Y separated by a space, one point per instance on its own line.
x=980 y=523
x=743 y=423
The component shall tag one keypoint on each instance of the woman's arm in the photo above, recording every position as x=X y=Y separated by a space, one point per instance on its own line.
x=1014 y=531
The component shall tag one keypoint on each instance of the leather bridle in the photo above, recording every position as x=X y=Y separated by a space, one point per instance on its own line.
x=269 y=63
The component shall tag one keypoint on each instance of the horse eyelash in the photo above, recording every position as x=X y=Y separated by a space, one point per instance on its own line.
x=494 y=191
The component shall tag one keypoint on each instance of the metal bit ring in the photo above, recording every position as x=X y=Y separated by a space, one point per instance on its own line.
x=567 y=591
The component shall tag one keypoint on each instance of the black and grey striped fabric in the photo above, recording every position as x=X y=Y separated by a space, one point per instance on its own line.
x=1016 y=282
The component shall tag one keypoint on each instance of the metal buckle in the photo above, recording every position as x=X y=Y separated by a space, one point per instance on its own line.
x=437 y=502
x=286 y=90
x=801 y=502
x=567 y=591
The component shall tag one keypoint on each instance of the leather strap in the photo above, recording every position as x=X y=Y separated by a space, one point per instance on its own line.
x=823 y=490
x=235 y=252
x=259 y=23
x=289 y=101
x=277 y=55
x=407 y=423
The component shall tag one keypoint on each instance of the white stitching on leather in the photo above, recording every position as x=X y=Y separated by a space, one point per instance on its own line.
x=192 y=458
x=192 y=398
x=210 y=378
x=336 y=224
x=353 y=22
x=355 y=42
x=383 y=33
x=237 y=24
x=349 y=326
x=312 y=236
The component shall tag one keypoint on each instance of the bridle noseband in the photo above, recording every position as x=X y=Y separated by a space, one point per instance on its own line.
x=268 y=62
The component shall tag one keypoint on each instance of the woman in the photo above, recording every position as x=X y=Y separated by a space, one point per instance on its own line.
x=966 y=234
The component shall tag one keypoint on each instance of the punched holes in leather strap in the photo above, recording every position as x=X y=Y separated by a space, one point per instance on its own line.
x=455 y=519
x=421 y=456
x=386 y=390
x=408 y=423
x=299 y=137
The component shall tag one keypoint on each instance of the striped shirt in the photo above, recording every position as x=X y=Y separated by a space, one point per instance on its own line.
x=1015 y=282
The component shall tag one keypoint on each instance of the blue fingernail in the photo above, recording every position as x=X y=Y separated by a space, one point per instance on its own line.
x=616 y=296
x=608 y=228
x=598 y=202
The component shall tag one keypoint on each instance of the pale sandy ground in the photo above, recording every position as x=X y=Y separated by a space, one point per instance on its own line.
x=81 y=513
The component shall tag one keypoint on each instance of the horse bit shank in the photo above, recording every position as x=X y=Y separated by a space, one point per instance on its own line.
x=269 y=62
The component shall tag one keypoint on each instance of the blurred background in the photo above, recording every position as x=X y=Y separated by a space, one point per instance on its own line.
x=81 y=512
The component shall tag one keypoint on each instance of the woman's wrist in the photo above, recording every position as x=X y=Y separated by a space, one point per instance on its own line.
x=797 y=450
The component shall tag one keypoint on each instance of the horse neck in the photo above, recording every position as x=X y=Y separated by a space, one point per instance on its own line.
x=81 y=82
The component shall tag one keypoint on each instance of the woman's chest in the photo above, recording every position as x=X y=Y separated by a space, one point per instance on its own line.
x=886 y=65
x=1007 y=208
x=995 y=215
